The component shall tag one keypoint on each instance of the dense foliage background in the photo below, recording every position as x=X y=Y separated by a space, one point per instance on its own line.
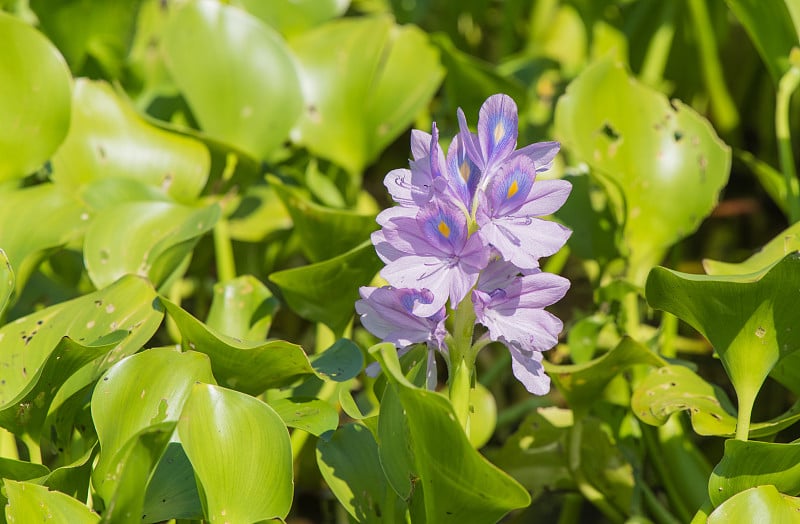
x=187 y=190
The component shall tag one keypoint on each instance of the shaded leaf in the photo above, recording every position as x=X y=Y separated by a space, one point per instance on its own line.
x=236 y=74
x=327 y=291
x=350 y=464
x=241 y=454
x=653 y=152
x=108 y=140
x=35 y=106
x=158 y=238
x=421 y=440
x=260 y=214
x=172 y=490
x=359 y=95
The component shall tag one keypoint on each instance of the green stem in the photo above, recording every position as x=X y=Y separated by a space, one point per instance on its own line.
x=701 y=517
x=786 y=87
x=669 y=330
x=459 y=392
x=557 y=262
x=226 y=265
x=655 y=60
x=746 y=402
x=656 y=456
x=659 y=512
x=34 y=451
x=727 y=116
x=8 y=445
x=571 y=509
x=630 y=307
x=462 y=360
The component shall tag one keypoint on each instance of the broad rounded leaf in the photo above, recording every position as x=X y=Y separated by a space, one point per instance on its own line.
x=29 y=502
x=749 y=319
x=151 y=239
x=655 y=153
x=422 y=441
x=327 y=291
x=141 y=391
x=236 y=74
x=483 y=415
x=241 y=454
x=108 y=139
x=312 y=415
x=785 y=242
x=35 y=106
x=364 y=80
x=748 y=464
x=172 y=489
x=350 y=464
x=760 y=504
x=294 y=16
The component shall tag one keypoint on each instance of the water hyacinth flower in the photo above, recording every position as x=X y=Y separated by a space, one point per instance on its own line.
x=466 y=237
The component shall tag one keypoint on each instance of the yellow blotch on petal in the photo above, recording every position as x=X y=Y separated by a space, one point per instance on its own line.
x=444 y=229
x=499 y=131
x=512 y=189
x=463 y=170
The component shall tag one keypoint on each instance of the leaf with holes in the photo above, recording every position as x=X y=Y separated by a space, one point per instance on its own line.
x=653 y=153
x=158 y=240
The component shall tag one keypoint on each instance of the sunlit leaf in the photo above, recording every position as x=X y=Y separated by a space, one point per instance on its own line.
x=759 y=504
x=326 y=291
x=149 y=388
x=242 y=308
x=653 y=152
x=785 y=242
x=236 y=74
x=748 y=464
x=35 y=106
x=359 y=95
x=29 y=502
x=583 y=384
x=157 y=238
x=105 y=325
x=294 y=16
x=770 y=26
x=260 y=214
x=251 y=367
x=313 y=415
x=241 y=454
x=65 y=220
x=7 y=281
x=421 y=440
x=483 y=415
x=350 y=464
x=108 y=139
x=749 y=319
x=324 y=232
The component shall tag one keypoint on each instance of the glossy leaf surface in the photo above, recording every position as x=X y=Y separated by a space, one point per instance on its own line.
x=761 y=504
x=29 y=502
x=35 y=106
x=241 y=454
x=242 y=308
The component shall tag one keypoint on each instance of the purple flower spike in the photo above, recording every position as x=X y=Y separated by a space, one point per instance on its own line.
x=497 y=133
x=436 y=253
x=508 y=208
x=516 y=317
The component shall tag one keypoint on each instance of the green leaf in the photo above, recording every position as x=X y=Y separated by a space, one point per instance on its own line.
x=65 y=220
x=422 y=441
x=150 y=388
x=339 y=362
x=251 y=367
x=749 y=319
x=785 y=242
x=653 y=152
x=158 y=238
x=260 y=214
x=108 y=140
x=358 y=92
x=35 y=106
x=172 y=490
x=770 y=179
x=583 y=384
x=242 y=308
x=6 y=281
x=350 y=464
x=760 y=504
x=324 y=232
x=241 y=454
x=312 y=415
x=236 y=74
x=29 y=502
x=106 y=325
x=326 y=291
x=770 y=26
x=483 y=415
x=89 y=35
x=292 y=17
x=748 y=464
